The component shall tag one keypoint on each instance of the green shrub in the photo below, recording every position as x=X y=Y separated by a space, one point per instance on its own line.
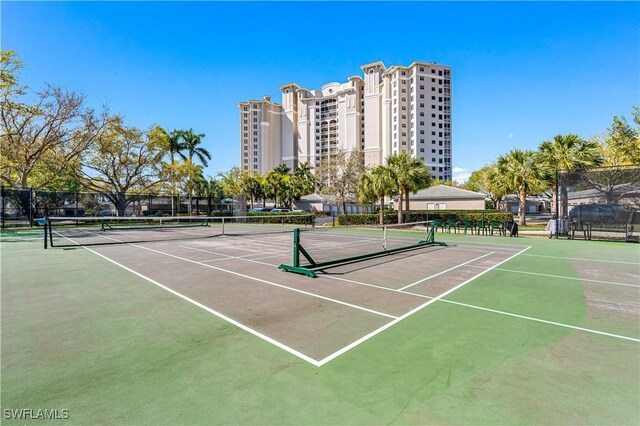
x=420 y=215
x=278 y=217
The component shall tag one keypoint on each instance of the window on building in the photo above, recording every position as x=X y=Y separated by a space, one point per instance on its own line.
x=421 y=68
x=422 y=132
x=421 y=78
x=421 y=105
x=440 y=72
x=421 y=87
x=433 y=89
x=422 y=114
x=433 y=98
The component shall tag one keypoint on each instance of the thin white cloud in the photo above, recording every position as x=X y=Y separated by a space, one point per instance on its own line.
x=460 y=175
x=510 y=135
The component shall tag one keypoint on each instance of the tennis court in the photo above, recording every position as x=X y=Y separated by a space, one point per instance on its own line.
x=480 y=330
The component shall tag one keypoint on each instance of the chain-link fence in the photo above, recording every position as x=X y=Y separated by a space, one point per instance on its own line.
x=600 y=203
x=22 y=207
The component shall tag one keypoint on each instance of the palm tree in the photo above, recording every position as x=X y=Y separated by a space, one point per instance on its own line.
x=520 y=172
x=410 y=174
x=190 y=144
x=191 y=140
x=569 y=153
x=377 y=183
x=174 y=146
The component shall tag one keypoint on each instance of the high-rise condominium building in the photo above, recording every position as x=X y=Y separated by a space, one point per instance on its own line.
x=387 y=111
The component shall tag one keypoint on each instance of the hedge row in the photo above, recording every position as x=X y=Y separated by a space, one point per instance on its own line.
x=294 y=218
x=391 y=217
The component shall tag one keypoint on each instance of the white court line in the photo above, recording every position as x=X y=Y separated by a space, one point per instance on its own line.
x=229 y=257
x=206 y=308
x=253 y=278
x=445 y=271
x=266 y=282
x=561 y=277
x=492 y=246
x=413 y=311
x=588 y=260
x=588 y=330
x=559 y=324
x=322 y=275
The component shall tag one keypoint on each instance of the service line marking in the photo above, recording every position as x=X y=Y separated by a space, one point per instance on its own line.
x=208 y=309
x=445 y=271
x=561 y=277
x=587 y=260
x=411 y=312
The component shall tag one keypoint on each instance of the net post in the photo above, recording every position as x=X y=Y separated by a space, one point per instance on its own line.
x=384 y=238
x=45 y=234
x=223 y=225
x=49 y=229
x=296 y=245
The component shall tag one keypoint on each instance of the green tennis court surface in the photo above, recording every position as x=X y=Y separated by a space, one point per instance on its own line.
x=487 y=330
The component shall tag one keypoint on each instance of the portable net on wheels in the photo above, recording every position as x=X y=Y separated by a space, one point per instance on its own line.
x=90 y=231
x=323 y=248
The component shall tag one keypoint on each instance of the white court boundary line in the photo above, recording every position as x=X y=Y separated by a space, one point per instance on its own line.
x=561 y=277
x=252 y=278
x=411 y=312
x=400 y=291
x=445 y=271
x=375 y=332
x=588 y=330
x=206 y=308
x=584 y=259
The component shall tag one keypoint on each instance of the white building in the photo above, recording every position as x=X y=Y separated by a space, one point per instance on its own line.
x=386 y=111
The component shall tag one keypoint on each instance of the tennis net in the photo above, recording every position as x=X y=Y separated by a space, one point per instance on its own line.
x=89 y=231
x=330 y=247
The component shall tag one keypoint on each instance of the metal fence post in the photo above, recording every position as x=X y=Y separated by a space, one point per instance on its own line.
x=556 y=207
x=3 y=196
x=31 y=207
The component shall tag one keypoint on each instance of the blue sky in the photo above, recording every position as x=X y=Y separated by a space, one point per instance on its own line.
x=522 y=72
